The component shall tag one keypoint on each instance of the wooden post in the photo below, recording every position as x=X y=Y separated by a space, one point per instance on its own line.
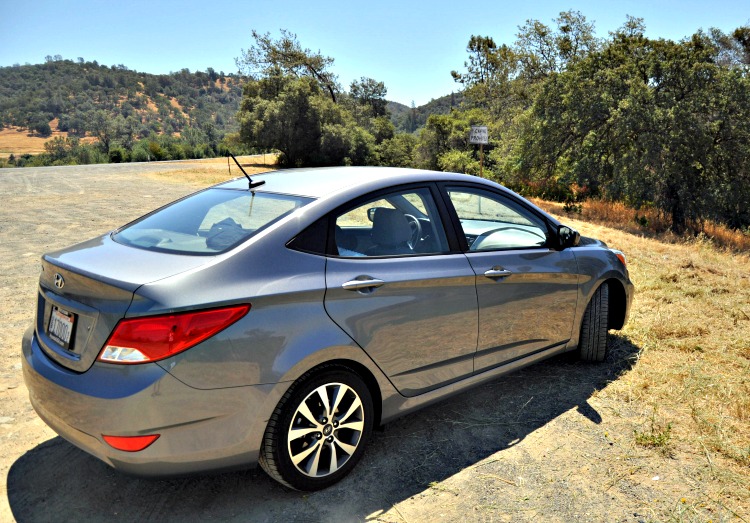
x=481 y=160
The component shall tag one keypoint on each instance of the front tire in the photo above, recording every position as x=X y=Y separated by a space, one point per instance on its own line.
x=319 y=429
x=592 y=345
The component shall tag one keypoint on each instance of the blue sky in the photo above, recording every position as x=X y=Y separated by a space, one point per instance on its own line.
x=411 y=46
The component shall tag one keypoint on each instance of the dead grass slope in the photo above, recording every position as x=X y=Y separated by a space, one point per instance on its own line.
x=691 y=320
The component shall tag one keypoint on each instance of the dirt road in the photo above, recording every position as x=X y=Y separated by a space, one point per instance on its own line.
x=544 y=444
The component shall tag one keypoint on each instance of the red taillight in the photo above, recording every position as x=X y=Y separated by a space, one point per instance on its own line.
x=130 y=443
x=153 y=338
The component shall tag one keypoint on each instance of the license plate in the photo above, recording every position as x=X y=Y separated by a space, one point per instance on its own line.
x=60 y=328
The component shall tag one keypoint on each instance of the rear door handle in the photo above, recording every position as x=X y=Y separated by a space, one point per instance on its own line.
x=363 y=284
x=497 y=272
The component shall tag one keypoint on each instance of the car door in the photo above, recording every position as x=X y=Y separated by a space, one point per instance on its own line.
x=397 y=289
x=526 y=290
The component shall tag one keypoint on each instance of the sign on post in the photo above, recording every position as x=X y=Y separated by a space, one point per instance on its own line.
x=479 y=135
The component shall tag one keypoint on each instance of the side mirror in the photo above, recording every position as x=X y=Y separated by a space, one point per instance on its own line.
x=567 y=237
x=371 y=213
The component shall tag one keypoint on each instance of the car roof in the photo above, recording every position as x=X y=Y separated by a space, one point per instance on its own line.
x=336 y=185
x=321 y=181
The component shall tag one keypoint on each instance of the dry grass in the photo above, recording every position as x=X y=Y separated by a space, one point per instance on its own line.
x=646 y=222
x=21 y=141
x=215 y=170
x=18 y=141
x=691 y=320
x=725 y=237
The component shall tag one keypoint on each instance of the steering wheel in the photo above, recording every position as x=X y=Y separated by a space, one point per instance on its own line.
x=416 y=231
x=476 y=244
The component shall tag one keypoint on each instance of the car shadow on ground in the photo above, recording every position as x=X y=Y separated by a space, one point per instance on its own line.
x=57 y=482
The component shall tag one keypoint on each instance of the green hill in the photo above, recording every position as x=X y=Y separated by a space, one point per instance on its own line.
x=410 y=119
x=65 y=111
x=70 y=94
x=63 y=95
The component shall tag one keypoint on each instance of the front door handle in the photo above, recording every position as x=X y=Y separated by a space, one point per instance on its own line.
x=497 y=272
x=362 y=284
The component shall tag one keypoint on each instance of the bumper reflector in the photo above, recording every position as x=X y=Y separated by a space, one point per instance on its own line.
x=130 y=443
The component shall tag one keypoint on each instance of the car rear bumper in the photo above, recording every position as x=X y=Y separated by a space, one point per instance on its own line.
x=199 y=430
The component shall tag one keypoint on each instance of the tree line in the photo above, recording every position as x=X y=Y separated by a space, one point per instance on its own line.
x=650 y=122
x=135 y=116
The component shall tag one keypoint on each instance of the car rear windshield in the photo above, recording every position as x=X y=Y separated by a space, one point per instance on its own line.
x=209 y=222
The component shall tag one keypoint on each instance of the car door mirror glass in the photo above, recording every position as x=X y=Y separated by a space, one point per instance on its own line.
x=567 y=237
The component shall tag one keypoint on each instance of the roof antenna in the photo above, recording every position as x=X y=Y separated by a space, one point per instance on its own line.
x=251 y=184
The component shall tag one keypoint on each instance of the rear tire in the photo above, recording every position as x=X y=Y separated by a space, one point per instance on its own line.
x=319 y=429
x=592 y=345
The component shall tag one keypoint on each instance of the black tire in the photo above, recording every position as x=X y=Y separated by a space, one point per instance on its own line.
x=592 y=345
x=327 y=447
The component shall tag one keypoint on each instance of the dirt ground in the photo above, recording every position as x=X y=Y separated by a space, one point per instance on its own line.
x=544 y=444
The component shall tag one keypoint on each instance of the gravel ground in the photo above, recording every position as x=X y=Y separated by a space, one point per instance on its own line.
x=543 y=444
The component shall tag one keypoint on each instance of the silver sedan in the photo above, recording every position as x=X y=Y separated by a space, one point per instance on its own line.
x=278 y=320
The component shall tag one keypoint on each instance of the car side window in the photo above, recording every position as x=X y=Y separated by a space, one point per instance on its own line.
x=396 y=224
x=491 y=221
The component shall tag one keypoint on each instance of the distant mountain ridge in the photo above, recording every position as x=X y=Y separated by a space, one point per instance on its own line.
x=74 y=93
x=75 y=97
x=410 y=119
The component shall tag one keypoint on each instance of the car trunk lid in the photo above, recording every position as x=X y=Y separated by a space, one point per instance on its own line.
x=86 y=289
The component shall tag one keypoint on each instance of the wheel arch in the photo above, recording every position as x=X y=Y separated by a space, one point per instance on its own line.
x=618 y=305
x=620 y=298
x=303 y=361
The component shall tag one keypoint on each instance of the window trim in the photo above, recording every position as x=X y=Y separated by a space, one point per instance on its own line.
x=445 y=187
x=331 y=250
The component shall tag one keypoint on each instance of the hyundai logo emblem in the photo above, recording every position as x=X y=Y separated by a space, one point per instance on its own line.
x=59 y=281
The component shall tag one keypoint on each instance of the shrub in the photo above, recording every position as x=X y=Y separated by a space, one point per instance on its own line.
x=43 y=129
x=116 y=155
